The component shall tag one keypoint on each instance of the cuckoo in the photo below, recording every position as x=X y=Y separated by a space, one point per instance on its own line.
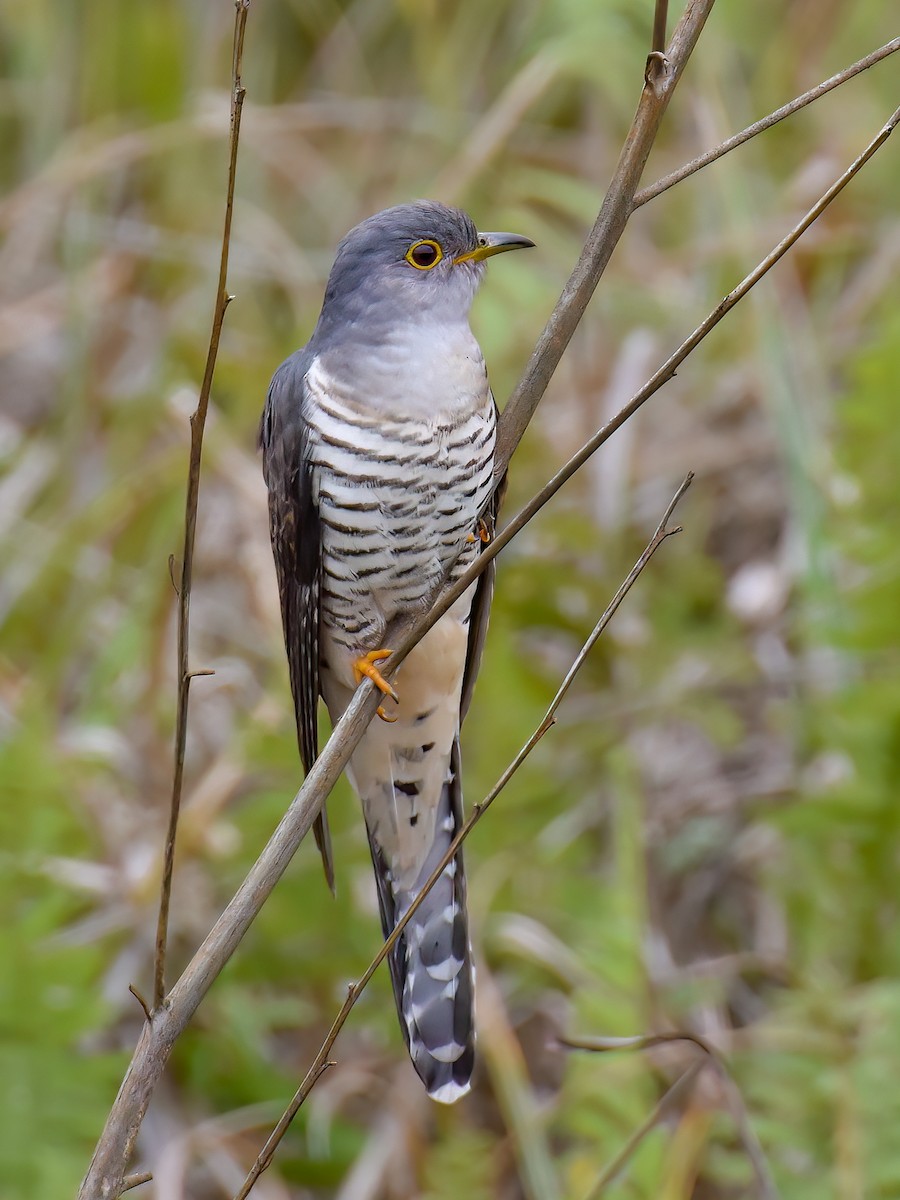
x=378 y=452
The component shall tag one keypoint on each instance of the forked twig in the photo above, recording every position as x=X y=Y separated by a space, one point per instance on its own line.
x=738 y=139
x=681 y=1087
x=411 y=633
x=614 y=212
x=321 y=1061
x=749 y=1141
x=133 y=1181
x=198 y=423
x=104 y=1177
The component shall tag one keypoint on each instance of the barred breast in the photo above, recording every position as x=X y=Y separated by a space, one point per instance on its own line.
x=398 y=493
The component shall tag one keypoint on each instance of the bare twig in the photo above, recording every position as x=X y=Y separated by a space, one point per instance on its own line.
x=681 y=1087
x=601 y=241
x=198 y=423
x=409 y=634
x=133 y=1181
x=170 y=1018
x=657 y=63
x=157 y=1039
x=321 y=1061
x=766 y=1189
x=105 y=1174
x=660 y=17
x=764 y=123
x=141 y=1001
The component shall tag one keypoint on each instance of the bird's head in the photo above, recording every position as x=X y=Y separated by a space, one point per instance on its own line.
x=421 y=261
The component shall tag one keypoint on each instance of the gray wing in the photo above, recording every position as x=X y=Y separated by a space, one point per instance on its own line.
x=481 y=606
x=296 y=545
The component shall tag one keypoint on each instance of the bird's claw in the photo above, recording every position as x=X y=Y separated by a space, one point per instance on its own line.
x=483 y=535
x=364 y=667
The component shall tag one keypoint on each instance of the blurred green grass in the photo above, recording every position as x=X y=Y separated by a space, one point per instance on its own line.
x=708 y=839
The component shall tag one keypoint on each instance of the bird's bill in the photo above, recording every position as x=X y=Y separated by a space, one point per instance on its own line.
x=494 y=243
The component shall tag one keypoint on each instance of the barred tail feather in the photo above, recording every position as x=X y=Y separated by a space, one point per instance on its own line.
x=431 y=964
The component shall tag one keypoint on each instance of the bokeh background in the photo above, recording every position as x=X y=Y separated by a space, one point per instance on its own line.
x=708 y=840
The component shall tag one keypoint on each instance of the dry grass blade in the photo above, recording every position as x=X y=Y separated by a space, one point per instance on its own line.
x=680 y=1088
x=765 y=1185
x=321 y=1061
x=116 y=1143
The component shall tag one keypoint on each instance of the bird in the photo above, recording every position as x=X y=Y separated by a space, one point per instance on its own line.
x=378 y=440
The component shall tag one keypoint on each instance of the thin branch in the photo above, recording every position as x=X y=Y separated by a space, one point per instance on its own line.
x=617 y=206
x=157 y=1039
x=105 y=1174
x=409 y=633
x=133 y=1181
x=141 y=1001
x=660 y=18
x=750 y=1143
x=764 y=123
x=198 y=423
x=170 y=1018
x=681 y=1087
x=321 y=1061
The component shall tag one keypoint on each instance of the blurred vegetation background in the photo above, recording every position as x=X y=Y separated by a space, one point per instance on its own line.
x=708 y=840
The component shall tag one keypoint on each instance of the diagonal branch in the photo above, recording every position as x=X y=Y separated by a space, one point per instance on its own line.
x=679 y=1089
x=409 y=633
x=765 y=1185
x=158 y=1037
x=764 y=123
x=198 y=423
x=172 y=1015
x=321 y=1062
x=169 y=1019
x=603 y=238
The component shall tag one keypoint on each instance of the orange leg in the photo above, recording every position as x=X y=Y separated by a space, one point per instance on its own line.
x=365 y=666
x=483 y=533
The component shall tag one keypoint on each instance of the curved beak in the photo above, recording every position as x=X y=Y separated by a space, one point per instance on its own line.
x=494 y=243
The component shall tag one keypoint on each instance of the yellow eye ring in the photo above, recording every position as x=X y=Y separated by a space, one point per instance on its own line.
x=424 y=255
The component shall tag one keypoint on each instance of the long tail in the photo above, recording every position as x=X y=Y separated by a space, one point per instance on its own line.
x=431 y=964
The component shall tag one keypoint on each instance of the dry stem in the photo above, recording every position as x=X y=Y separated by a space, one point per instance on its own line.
x=320 y=1062
x=198 y=423
x=681 y=1087
x=408 y=634
x=764 y=123
x=766 y=1189
x=617 y=206
x=105 y=1175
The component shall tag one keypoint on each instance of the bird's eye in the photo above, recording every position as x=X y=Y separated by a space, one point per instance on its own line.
x=424 y=255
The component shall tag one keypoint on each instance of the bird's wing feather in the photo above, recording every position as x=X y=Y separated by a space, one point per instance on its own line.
x=481 y=606
x=296 y=544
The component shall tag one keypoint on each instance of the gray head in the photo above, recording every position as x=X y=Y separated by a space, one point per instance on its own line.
x=418 y=262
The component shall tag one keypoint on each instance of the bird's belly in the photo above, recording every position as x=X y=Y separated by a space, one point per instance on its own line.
x=397 y=502
x=378 y=568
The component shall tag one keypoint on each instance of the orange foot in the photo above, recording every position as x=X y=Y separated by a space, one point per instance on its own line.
x=484 y=534
x=365 y=666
